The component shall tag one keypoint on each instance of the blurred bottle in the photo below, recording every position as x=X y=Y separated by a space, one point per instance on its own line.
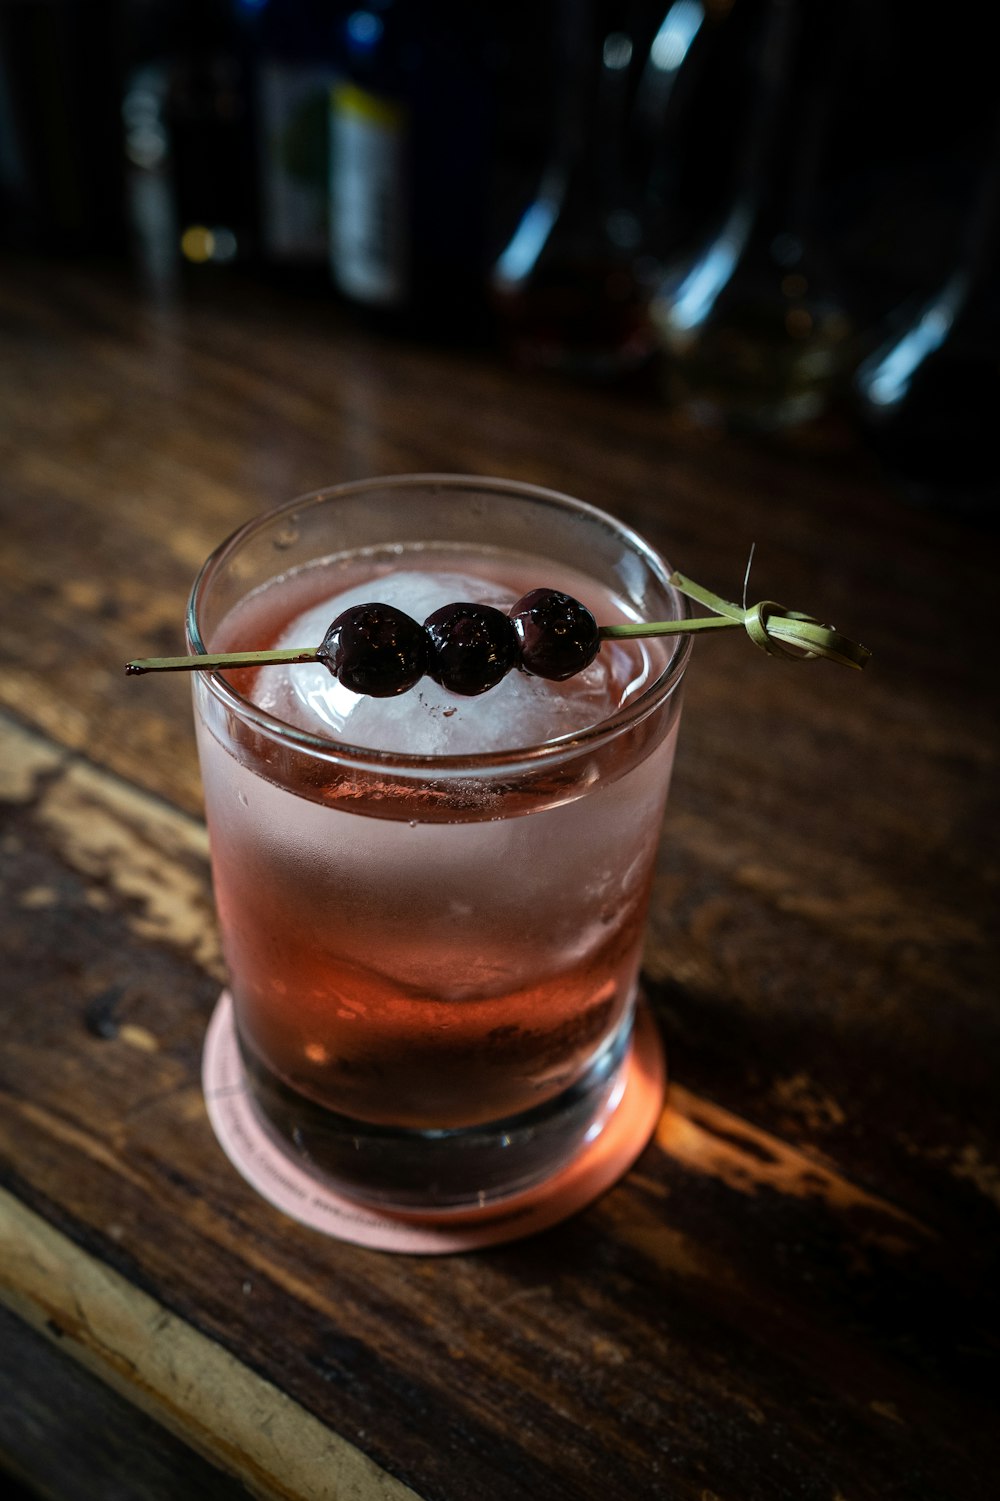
x=928 y=397
x=411 y=163
x=569 y=287
x=188 y=129
x=294 y=71
x=753 y=334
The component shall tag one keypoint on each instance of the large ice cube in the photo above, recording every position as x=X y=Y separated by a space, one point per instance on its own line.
x=428 y=720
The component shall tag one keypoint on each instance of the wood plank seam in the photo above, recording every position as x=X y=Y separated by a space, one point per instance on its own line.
x=184 y=1380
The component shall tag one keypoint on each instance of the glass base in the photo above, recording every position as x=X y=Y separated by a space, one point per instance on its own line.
x=449 y=1169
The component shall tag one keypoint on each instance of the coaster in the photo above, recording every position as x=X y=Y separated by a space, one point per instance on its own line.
x=285 y=1182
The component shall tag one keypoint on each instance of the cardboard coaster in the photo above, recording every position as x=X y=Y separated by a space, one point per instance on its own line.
x=284 y=1181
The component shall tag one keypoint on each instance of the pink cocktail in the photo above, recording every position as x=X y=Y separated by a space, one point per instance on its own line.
x=432 y=907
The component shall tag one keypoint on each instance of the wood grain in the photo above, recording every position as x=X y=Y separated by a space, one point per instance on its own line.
x=793 y=1295
x=69 y=1432
x=188 y=1383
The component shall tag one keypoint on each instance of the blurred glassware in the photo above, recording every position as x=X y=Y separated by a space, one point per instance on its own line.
x=674 y=160
x=571 y=287
x=752 y=332
x=927 y=399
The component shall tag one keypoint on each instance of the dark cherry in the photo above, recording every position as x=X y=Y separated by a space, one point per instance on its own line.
x=559 y=636
x=472 y=647
x=375 y=649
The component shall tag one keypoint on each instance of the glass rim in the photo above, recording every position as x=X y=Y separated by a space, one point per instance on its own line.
x=368 y=757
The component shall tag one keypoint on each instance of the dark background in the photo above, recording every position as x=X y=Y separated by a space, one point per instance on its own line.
x=909 y=103
x=915 y=95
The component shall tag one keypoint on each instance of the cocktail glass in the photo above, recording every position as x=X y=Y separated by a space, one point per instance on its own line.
x=434 y=943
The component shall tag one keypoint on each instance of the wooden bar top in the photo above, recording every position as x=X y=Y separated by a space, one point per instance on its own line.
x=794 y=1292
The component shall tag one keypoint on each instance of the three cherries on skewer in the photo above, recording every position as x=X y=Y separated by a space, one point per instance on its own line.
x=467 y=648
x=378 y=650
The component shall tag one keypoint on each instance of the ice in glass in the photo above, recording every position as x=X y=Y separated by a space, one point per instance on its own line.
x=432 y=906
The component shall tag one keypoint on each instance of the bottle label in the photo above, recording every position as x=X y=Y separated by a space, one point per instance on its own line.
x=294 y=165
x=368 y=221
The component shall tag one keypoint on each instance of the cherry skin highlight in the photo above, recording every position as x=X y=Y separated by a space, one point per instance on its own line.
x=472 y=647
x=376 y=649
x=559 y=636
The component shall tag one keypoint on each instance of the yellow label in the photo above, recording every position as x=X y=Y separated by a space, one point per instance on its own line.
x=348 y=99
